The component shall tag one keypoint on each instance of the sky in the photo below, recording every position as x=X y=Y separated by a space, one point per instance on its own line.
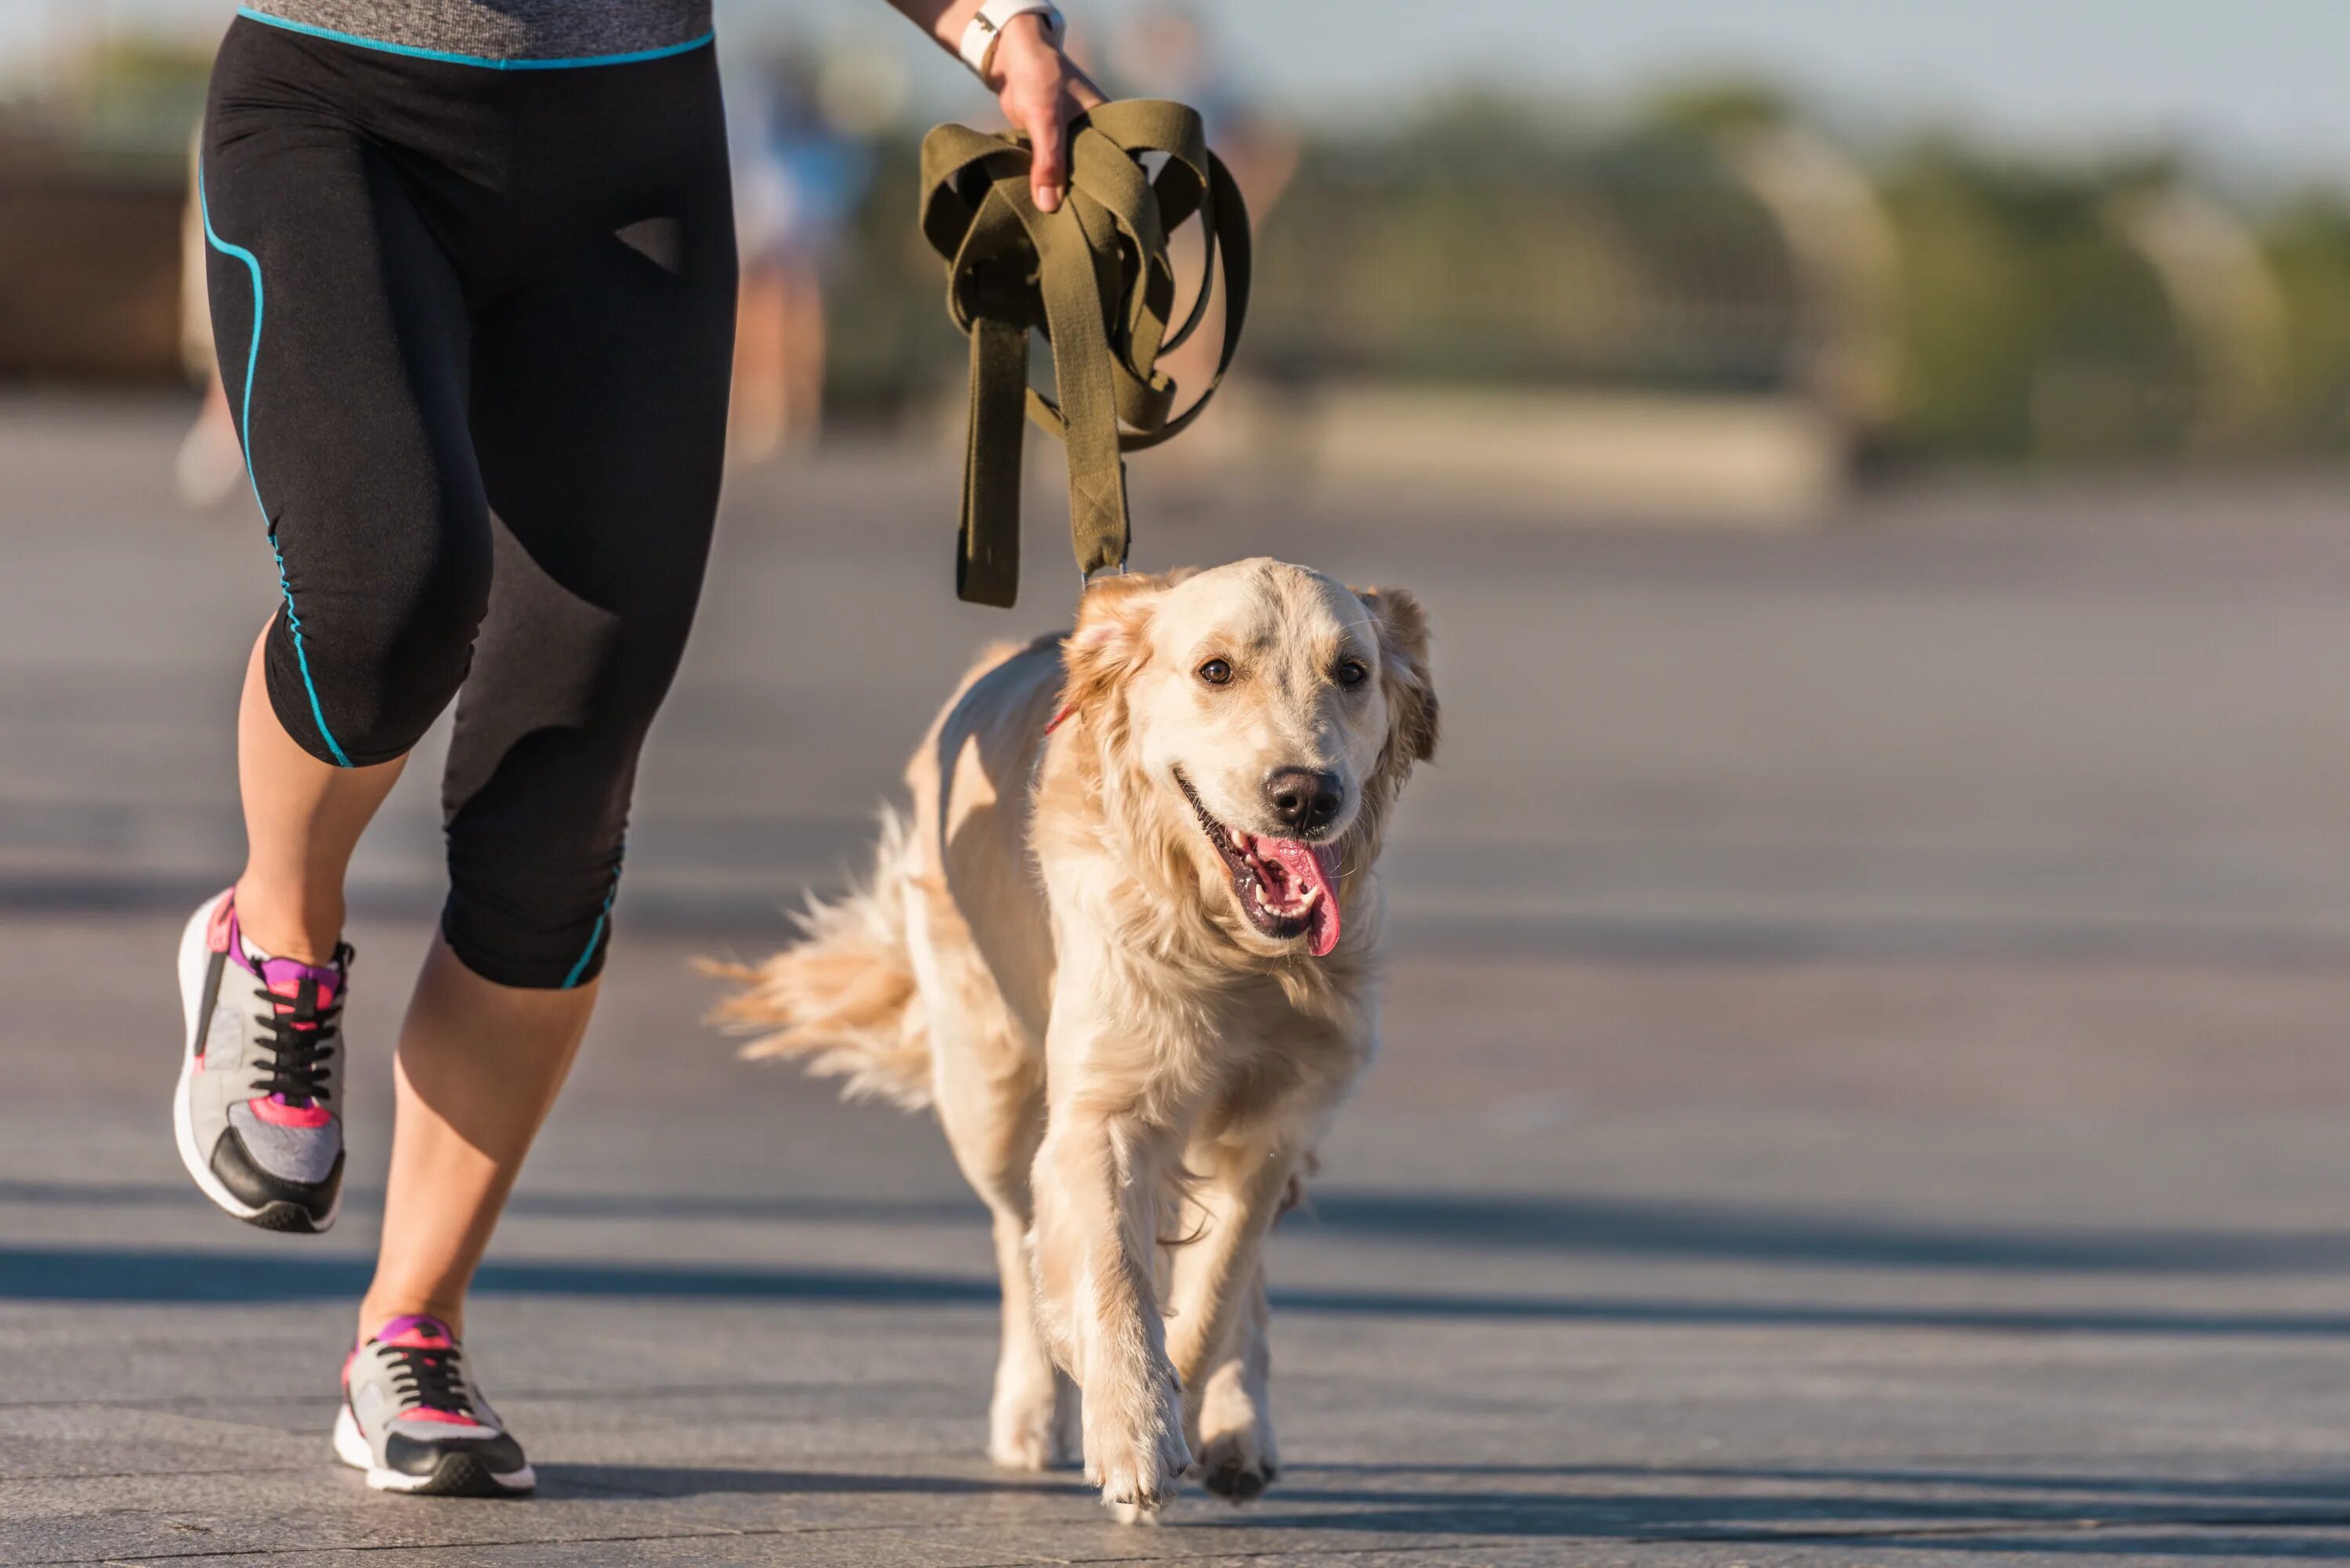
x=2256 y=83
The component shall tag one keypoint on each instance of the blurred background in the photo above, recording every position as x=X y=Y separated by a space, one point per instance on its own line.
x=1660 y=257
x=1865 y=1054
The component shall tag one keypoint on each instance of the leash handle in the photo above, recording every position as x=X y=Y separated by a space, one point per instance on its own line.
x=1095 y=278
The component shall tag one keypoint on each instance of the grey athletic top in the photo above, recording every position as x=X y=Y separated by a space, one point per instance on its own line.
x=500 y=31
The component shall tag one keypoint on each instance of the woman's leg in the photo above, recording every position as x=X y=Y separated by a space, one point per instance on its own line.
x=477 y=1070
x=344 y=332
x=599 y=394
x=303 y=818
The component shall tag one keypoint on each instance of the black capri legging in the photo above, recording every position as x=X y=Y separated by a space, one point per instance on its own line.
x=476 y=326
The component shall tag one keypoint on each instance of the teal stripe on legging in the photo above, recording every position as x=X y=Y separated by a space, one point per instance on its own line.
x=483 y=62
x=244 y=431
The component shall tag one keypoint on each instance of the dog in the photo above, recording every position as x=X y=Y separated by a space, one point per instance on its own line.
x=1127 y=949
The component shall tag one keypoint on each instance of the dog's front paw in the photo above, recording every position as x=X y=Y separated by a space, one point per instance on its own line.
x=1139 y=1470
x=1134 y=1447
x=1237 y=1464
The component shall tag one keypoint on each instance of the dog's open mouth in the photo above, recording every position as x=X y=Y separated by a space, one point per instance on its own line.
x=1287 y=888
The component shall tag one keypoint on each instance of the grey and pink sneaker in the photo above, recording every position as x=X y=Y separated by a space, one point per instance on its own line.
x=256 y=1109
x=413 y=1422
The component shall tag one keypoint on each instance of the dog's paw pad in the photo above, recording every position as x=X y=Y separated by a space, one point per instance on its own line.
x=1231 y=1467
x=1240 y=1482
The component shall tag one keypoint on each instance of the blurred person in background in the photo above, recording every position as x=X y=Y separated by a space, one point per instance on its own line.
x=798 y=177
x=465 y=255
x=1166 y=51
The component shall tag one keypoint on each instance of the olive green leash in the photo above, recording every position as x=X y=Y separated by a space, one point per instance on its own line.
x=1095 y=278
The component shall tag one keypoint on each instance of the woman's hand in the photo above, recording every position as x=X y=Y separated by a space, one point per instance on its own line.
x=1040 y=88
x=1040 y=91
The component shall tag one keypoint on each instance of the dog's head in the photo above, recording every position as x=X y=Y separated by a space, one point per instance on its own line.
x=1266 y=716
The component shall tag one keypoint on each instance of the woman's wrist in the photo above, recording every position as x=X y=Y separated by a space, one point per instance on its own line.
x=950 y=26
x=1039 y=88
x=945 y=23
x=1030 y=31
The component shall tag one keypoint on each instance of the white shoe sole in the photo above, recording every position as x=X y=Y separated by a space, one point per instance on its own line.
x=353 y=1450
x=195 y=959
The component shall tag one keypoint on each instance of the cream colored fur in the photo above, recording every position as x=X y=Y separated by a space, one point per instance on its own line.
x=1051 y=955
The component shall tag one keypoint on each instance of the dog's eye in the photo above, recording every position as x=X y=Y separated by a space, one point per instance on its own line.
x=1216 y=672
x=1352 y=672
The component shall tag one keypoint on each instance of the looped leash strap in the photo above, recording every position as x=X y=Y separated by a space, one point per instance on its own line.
x=1095 y=278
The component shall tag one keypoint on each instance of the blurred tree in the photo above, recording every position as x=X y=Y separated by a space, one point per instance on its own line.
x=1491 y=242
x=1716 y=105
x=2308 y=248
x=2033 y=327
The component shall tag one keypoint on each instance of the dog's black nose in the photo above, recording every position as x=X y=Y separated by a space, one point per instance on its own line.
x=1304 y=800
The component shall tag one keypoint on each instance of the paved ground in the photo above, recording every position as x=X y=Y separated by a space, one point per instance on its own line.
x=1866 y=1086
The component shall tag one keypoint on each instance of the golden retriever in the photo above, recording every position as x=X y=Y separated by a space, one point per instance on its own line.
x=1128 y=947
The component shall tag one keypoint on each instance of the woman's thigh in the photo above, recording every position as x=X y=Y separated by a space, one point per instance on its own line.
x=343 y=338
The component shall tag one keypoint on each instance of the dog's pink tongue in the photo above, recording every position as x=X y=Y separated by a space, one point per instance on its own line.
x=1312 y=866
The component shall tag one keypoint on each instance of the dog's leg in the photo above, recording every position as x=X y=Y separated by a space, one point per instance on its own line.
x=1032 y=1422
x=1234 y=1434
x=989 y=1094
x=1216 y=1329
x=1096 y=1194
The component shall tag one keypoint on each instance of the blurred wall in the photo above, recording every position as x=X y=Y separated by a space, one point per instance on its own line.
x=93 y=183
x=90 y=273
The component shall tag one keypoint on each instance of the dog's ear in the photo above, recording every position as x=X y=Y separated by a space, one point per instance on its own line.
x=1111 y=641
x=1403 y=671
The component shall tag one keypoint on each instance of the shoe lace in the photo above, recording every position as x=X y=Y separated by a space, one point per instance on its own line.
x=298 y=1037
x=430 y=1376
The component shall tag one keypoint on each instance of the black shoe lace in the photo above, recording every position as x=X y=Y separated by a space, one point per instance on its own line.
x=430 y=1376
x=300 y=1038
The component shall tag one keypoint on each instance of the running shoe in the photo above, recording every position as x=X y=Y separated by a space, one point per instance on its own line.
x=254 y=1112
x=413 y=1423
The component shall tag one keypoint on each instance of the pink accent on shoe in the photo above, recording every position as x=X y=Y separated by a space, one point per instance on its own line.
x=284 y=977
x=415 y=1332
x=220 y=934
x=433 y=1413
x=273 y=1109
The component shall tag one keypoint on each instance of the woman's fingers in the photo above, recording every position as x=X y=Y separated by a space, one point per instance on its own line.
x=1048 y=163
x=1041 y=90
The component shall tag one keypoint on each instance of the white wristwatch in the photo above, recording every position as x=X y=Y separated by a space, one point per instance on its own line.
x=980 y=35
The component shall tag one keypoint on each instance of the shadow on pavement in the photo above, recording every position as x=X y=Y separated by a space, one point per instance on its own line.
x=2328 y=1487
x=189 y=1276
x=2256 y=1519
x=2239 y=1521
x=606 y=1481
x=1639 y=1228
x=723 y=1206
x=1634 y=1227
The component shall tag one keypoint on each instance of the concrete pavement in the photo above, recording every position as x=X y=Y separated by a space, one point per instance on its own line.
x=1866 y=1079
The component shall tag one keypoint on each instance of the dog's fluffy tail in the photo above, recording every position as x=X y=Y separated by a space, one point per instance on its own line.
x=843 y=999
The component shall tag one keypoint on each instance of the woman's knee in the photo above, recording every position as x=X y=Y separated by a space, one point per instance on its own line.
x=358 y=671
x=536 y=918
